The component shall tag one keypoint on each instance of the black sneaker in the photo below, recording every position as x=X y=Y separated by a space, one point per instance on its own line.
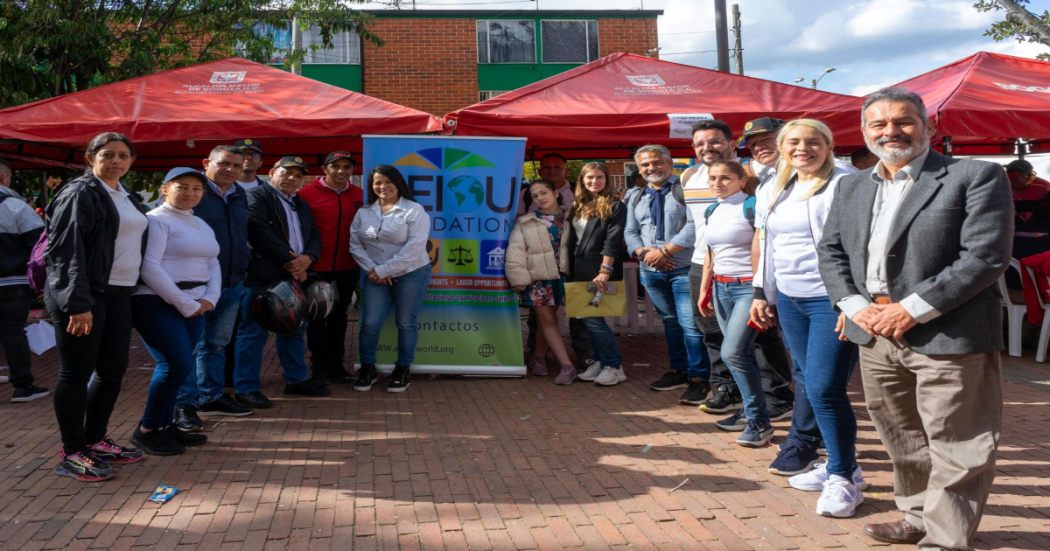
x=780 y=413
x=307 y=388
x=156 y=442
x=671 y=380
x=187 y=420
x=734 y=423
x=724 y=400
x=185 y=438
x=224 y=406
x=366 y=377
x=695 y=393
x=399 y=379
x=84 y=466
x=339 y=375
x=793 y=460
x=254 y=400
x=29 y=393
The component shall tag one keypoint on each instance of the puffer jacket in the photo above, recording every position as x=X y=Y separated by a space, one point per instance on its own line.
x=530 y=254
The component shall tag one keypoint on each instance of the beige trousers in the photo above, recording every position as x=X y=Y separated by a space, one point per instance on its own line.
x=939 y=417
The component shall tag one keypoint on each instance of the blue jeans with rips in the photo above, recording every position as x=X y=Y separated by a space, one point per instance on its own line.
x=669 y=292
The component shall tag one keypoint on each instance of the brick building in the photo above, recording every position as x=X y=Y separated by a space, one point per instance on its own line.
x=441 y=60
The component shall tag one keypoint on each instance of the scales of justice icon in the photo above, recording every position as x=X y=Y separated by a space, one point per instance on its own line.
x=460 y=256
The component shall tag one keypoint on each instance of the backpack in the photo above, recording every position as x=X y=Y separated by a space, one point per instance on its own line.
x=676 y=192
x=749 y=210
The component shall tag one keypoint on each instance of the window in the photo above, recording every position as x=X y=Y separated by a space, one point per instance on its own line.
x=346 y=46
x=489 y=94
x=506 y=41
x=570 y=41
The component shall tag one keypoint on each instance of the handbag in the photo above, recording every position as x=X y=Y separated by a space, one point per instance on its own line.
x=581 y=302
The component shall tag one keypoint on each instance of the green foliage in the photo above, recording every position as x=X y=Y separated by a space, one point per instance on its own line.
x=531 y=170
x=54 y=47
x=1013 y=27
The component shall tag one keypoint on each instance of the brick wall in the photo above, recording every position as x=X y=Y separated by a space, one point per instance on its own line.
x=635 y=36
x=426 y=64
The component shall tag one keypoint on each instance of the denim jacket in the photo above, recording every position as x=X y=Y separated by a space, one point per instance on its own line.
x=678 y=227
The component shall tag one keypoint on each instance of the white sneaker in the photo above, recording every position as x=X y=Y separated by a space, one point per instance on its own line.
x=813 y=481
x=610 y=376
x=839 y=498
x=591 y=373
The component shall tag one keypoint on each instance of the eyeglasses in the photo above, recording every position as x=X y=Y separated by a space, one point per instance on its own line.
x=710 y=143
x=252 y=154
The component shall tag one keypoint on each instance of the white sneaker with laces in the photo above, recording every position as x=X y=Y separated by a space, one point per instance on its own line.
x=592 y=371
x=839 y=498
x=813 y=481
x=610 y=376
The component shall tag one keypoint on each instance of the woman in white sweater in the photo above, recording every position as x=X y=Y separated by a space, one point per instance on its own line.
x=182 y=279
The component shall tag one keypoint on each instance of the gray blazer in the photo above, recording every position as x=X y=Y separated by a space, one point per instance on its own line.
x=951 y=240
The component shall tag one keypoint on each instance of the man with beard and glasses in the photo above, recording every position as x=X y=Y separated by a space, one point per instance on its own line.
x=911 y=253
x=713 y=142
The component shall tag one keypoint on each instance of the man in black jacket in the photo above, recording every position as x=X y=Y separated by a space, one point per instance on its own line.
x=20 y=227
x=284 y=244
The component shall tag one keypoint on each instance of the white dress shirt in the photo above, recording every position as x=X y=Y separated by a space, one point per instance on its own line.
x=892 y=190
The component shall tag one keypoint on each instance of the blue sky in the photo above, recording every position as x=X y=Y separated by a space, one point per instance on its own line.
x=871 y=43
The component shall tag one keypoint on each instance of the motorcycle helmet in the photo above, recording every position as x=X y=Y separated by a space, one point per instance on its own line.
x=321 y=297
x=279 y=308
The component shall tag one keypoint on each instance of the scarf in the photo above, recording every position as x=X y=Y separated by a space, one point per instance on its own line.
x=656 y=207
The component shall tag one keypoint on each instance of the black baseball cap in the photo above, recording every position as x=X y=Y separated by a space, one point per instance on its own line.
x=1022 y=166
x=762 y=125
x=293 y=162
x=336 y=155
x=3 y=162
x=249 y=144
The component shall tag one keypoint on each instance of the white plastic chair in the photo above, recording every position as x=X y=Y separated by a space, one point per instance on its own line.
x=1040 y=352
x=1015 y=312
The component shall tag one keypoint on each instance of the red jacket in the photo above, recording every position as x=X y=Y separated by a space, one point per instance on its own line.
x=333 y=213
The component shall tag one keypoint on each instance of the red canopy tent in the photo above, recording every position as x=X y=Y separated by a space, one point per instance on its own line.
x=175 y=117
x=611 y=106
x=987 y=101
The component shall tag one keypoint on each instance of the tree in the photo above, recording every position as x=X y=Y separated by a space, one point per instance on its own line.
x=54 y=47
x=1019 y=24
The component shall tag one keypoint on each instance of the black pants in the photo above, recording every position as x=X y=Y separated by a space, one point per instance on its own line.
x=83 y=412
x=14 y=309
x=581 y=339
x=327 y=338
x=772 y=357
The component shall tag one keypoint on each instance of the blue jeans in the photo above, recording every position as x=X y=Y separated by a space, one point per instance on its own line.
x=172 y=340
x=208 y=381
x=824 y=365
x=669 y=292
x=603 y=342
x=406 y=295
x=251 y=340
x=732 y=302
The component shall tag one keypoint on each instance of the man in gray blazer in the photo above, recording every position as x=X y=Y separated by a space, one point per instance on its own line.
x=911 y=253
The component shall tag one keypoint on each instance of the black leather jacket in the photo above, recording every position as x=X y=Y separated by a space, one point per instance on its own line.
x=268 y=235
x=82 y=224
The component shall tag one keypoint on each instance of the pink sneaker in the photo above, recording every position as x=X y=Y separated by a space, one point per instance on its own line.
x=538 y=367
x=567 y=375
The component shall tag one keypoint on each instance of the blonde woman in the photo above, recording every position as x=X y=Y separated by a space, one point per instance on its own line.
x=788 y=288
x=591 y=251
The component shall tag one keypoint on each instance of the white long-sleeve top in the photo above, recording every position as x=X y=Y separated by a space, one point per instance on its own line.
x=180 y=248
x=729 y=235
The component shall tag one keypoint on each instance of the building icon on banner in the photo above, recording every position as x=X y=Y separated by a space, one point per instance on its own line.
x=496 y=258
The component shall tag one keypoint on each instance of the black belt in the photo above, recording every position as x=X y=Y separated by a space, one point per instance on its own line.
x=187 y=285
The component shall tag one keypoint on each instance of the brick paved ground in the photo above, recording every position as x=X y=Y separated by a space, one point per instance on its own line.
x=478 y=464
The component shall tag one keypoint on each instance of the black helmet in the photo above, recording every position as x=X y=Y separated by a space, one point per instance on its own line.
x=320 y=300
x=279 y=308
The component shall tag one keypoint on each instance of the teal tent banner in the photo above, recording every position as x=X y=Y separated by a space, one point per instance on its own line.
x=469 y=323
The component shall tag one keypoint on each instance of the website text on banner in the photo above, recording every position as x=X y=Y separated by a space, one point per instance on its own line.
x=469 y=322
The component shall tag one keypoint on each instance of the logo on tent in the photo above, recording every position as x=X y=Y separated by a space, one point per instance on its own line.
x=646 y=80
x=227 y=77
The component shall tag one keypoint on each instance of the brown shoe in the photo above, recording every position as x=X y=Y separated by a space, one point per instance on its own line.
x=901 y=531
